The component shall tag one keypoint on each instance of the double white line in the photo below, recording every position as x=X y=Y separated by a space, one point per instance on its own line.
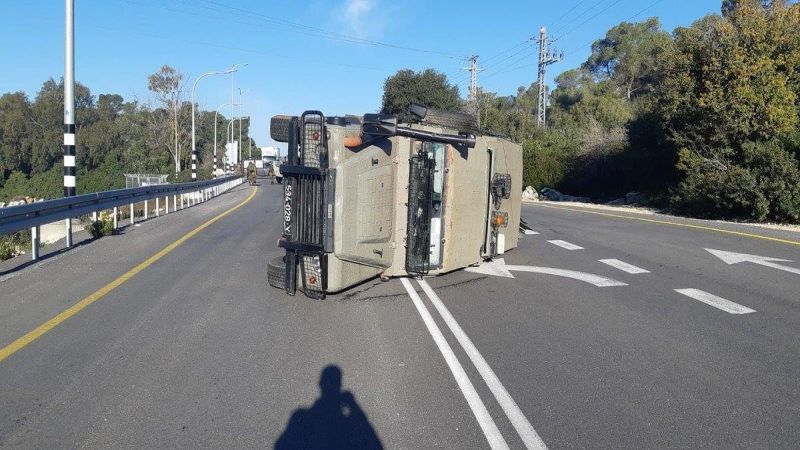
x=526 y=432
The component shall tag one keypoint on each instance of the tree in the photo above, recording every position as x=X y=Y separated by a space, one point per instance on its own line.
x=631 y=54
x=730 y=82
x=429 y=88
x=167 y=84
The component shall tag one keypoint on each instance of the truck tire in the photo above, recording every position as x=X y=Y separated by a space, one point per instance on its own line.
x=276 y=270
x=456 y=120
x=279 y=128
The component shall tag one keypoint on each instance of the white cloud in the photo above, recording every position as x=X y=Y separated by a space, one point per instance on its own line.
x=354 y=16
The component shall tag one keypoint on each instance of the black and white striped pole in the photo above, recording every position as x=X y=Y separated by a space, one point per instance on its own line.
x=69 y=109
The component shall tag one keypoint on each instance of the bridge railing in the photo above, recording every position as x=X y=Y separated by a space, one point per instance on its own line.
x=33 y=215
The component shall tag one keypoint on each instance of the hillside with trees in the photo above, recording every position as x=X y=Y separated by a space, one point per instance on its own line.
x=705 y=119
x=115 y=136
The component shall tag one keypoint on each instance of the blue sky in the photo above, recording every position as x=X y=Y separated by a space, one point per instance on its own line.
x=331 y=55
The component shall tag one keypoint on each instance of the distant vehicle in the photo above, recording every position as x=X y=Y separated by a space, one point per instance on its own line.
x=366 y=197
x=270 y=155
x=276 y=171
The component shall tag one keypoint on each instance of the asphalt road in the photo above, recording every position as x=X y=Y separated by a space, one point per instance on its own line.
x=195 y=351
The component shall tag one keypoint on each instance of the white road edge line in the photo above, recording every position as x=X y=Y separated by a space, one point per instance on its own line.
x=531 y=233
x=623 y=266
x=717 y=302
x=524 y=428
x=566 y=245
x=477 y=406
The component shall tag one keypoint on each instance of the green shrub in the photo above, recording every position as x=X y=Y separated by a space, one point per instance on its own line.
x=545 y=159
x=100 y=228
x=777 y=176
x=713 y=191
x=10 y=245
x=108 y=227
x=95 y=229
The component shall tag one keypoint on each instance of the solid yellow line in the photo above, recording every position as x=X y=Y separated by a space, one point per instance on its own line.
x=685 y=225
x=100 y=293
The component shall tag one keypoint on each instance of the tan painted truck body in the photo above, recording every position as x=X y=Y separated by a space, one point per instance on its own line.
x=466 y=216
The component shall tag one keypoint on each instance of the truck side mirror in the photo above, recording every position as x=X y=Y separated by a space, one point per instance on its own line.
x=379 y=125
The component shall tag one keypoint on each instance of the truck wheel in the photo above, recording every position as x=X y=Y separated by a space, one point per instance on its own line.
x=456 y=120
x=276 y=270
x=279 y=128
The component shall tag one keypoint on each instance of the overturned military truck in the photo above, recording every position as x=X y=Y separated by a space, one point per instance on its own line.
x=367 y=196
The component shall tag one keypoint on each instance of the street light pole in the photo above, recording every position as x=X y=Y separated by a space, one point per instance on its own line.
x=194 y=88
x=69 y=109
x=240 y=124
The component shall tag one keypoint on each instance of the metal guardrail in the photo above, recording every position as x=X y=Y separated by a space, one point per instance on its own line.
x=33 y=215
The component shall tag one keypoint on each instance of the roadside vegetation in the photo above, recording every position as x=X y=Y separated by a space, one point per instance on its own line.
x=705 y=119
x=117 y=136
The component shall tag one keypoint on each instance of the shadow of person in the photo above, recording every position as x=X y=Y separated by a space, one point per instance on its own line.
x=335 y=421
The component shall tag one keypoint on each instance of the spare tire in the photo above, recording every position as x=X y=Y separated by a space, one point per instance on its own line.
x=279 y=128
x=451 y=119
x=276 y=272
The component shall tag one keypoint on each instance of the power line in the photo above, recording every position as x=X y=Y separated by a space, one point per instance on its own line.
x=566 y=13
x=257 y=19
x=514 y=47
x=513 y=69
x=594 y=16
x=578 y=17
x=327 y=33
x=508 y=57
x=504 y=69
x=656 y=2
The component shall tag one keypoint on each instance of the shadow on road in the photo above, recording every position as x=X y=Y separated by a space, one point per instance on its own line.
x=335 y=421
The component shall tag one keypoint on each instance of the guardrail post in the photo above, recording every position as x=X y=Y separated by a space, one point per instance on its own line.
x=132 y=220
x=68 y=238
x=145 y=210
x=94 y=216
x=35 y=243
x=156 y=206
x=174 y=202
x=166 y=204
x=115 y=217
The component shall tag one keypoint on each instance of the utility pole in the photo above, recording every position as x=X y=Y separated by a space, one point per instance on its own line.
x=473 y=87
x=545 y=59
x=69 y=109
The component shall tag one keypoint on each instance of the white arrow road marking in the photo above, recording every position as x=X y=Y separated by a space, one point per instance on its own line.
x=717 y=302
x=623 y=266
x=474 y=401
x=524 y=428
x=498 y=268
x=766 y=261
x=566 y=245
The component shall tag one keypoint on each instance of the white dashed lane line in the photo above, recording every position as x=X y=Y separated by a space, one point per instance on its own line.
x=623 y=266
x=530 y=233
x=717 y=302
x=566 y=245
